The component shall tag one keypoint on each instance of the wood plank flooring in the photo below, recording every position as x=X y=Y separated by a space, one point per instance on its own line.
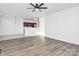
x=0 y=51
x=38 y=46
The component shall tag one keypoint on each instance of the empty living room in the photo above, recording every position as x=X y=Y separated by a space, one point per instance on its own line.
x=39 y=29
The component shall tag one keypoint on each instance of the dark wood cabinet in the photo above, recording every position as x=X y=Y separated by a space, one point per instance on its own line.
x=29 y=24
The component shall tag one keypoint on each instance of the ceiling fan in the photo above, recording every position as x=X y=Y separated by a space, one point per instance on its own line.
x=37 y=7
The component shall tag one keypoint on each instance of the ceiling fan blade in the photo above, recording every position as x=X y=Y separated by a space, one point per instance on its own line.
x=42 y=7
x=41 y=4
x=33 y=10
x=30 y=8
x=36 y=5
x=32 y=4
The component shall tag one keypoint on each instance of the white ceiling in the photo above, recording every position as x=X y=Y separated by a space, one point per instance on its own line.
x=20 y=9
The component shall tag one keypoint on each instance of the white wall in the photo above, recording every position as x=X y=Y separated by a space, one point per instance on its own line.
x=10 y=25
x=1 y=17
x=0 y=27
x=63 y=25
x=41 y=29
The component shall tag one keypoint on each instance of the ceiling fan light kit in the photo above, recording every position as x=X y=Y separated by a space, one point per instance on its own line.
x=37 y=7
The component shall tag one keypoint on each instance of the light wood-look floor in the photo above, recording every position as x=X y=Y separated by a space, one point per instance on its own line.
x=38 y=46
x=0 y=51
